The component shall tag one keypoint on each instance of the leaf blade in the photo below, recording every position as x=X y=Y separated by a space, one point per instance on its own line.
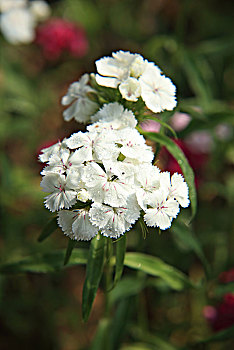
x=94 y=271
x=45 y=263
x=50 y=228
x=157 y=268
x=120 y=253
x=71 y=245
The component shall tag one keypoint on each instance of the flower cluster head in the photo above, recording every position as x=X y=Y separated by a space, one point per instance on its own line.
x=103 y=180
x=57 y=36
x=19 y=18
x=136 y=77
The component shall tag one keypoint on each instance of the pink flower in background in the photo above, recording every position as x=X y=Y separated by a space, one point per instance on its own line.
x=179 y=121
x=222 y=316
x=58 y=35
x=150 y=126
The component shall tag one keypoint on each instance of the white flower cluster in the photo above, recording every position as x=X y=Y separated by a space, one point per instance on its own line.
x=136 y=77
x=106 y=178
x=18 y=19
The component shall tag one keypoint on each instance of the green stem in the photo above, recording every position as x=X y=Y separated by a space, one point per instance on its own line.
x=108 y=275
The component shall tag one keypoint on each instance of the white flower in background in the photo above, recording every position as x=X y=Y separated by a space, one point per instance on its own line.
x=76 y=224
x=40 y=9
x=6 y=5
x=17 y=25
x=157 y=91
x=19 y=18
x=61 y=189
x=176 y=187
x=82 y=107
x=161 y=211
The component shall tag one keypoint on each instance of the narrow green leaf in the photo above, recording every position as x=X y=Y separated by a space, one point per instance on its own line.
x=93 y=274
x=119 y=322
x=220 y=336
x=151 y=339
x=48 y=229
x=44 y=263
x=182 y=160
x=101 y=336
x=127 y=287
x=158 y=268
x=120 y=253
x=182 y=231
x=198 y=84
x=70 y=246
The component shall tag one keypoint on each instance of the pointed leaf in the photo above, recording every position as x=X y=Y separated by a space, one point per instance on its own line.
x=182 y=160
x=48 y=229
x=120 y=253
x=44 y=263
x=71 y=245
x=93 y=273
x=158 y=268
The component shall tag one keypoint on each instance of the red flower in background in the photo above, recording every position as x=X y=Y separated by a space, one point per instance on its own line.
x=58 y=35
x=222 y=316
x=196 y=158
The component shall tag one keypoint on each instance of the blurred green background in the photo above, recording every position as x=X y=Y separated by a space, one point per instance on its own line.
x=192 y=42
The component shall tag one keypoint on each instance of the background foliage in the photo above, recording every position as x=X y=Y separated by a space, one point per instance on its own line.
x=192 y=41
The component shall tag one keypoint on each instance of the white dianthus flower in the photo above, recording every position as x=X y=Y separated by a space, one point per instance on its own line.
x=115 y=70
x=148 y=181
x=133 y=146
x=157 y=91
x=82 y=107
x=161 y=211
x=76 y=224
x=115 y=116
x=56 y=149
x=176 y=186
x=94 y=146
x=62 y=191
x=115 y=221
x=130 y=89
x=107 y=186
